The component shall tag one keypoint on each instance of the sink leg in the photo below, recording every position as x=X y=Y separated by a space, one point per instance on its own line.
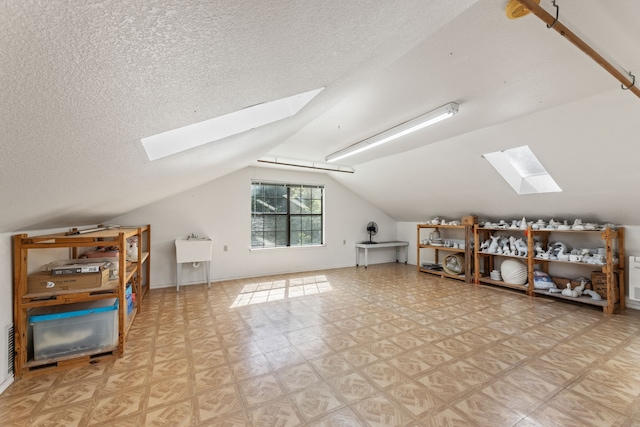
x=178 y=273
x=208 y=267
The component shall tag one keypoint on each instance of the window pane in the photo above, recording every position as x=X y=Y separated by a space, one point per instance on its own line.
x=256 y=223
x=295 y=238
x=269 y=239
x=316 y=207
x=286 y=215
x=296 y=223
x=306 y=223
x=281 y=238
x=281 y=204
x=294 y=206
x=281 y=223
x=269 y=223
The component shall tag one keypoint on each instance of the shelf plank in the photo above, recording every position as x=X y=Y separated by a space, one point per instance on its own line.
x=442 y=248
x=489 y=281
x=581 y=299
x=507 y=256
x=442 y=273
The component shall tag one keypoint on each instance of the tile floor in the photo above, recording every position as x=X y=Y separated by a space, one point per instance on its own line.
x=385 y=346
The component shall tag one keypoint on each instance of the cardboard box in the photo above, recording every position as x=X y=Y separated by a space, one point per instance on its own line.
x=599 y=283
x=561 y=283
x=44 y=281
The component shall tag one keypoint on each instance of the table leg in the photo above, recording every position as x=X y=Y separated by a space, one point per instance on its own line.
x=357 y=256
x=366 y=257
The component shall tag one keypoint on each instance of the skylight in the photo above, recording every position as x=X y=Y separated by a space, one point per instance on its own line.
x=522 y=170
x=191 y=136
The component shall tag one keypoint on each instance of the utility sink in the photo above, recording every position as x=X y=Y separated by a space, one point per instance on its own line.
x=193 y=249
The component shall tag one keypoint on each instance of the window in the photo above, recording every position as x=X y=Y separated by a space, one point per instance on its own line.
x=286 y=215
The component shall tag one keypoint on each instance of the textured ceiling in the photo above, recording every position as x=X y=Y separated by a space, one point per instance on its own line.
x=80 y=85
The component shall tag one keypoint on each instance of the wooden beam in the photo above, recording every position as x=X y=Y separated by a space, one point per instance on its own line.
x=624 y=78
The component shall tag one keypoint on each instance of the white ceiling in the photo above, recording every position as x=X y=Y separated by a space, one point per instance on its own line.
x=80 y=85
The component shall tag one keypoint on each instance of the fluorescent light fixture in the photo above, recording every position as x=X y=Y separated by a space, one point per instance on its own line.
x=522 y=170
x=405 y=128
x=191 y=136
x=308 y=164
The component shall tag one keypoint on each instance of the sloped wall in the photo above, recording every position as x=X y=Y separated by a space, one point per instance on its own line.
x=221 y=210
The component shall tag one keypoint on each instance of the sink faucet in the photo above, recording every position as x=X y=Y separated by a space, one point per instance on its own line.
x=193 y=236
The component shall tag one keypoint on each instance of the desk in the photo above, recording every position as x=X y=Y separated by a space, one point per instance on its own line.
x=379 y=245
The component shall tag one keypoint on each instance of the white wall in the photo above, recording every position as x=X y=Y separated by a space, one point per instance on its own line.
x=221 y=210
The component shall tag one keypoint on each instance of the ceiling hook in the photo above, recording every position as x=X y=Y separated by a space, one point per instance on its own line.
x=633 y=82
x=555 y=21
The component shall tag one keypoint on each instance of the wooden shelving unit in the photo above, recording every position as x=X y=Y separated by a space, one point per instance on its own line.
x=464 y=232
x=613 y=241
x=136 y=273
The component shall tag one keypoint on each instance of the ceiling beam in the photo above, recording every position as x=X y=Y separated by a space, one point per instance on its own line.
x=624 y=78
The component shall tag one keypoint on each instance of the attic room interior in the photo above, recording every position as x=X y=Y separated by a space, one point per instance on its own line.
x=274 y=137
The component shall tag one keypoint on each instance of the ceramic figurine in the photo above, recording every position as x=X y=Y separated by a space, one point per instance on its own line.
x=593 y=294
x=569 y=293
x=523 y=224
x=537 y=246
x=521 y=247
x=577 y=225
x=493 y=247
x=580 y=289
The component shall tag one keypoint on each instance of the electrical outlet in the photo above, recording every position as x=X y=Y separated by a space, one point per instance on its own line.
x=344 y=242
x=224 y=248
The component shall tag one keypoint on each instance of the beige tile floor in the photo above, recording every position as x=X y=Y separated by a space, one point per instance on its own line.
x=383 y=346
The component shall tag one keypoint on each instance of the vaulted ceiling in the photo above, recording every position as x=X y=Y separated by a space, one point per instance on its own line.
x=81 y=84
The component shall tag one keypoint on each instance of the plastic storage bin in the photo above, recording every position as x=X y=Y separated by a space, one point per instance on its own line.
x=67 y=330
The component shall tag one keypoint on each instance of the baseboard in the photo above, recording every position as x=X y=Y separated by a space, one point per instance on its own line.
x=634 y=305
x=6 y=383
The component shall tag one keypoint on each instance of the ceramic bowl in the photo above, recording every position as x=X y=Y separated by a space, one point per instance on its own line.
x=513 y=272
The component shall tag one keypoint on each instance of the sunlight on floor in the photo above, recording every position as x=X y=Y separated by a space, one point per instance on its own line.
x=257 y=293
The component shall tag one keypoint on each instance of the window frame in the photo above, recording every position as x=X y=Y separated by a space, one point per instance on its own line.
x=289 y=216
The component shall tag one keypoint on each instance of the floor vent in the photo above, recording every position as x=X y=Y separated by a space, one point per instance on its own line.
x=10 y=349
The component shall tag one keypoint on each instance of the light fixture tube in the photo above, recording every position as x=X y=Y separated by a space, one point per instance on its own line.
x=405 y=128
x=306 y=164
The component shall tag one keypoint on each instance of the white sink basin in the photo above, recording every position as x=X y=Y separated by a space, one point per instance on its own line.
x=193 y=250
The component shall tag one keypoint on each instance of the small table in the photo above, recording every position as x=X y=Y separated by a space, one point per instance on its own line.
x=378 y=245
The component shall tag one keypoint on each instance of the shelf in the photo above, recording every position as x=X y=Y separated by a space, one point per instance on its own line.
x=74 y=359
x=443 y=273
x=136 y=272
x=460 y=227
x=581 y=299
x=613 y=240
x=442 y=248
x=507 y=256
x=503 y=284
x=462 y=233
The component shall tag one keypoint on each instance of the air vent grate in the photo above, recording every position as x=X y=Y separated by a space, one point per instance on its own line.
x=11 y=349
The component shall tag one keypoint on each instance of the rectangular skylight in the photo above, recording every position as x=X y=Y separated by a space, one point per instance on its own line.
x=191 y=136
x=522 y=170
